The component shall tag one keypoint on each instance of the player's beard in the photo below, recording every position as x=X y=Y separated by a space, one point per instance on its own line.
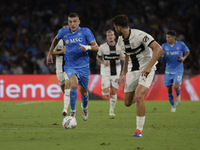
x=119 y=33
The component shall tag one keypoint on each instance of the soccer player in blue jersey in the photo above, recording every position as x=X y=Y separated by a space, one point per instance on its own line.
x=175 y=53
x=76 y=60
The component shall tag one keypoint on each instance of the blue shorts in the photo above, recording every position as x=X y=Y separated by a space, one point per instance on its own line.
x=82 y=74
x=169 y=79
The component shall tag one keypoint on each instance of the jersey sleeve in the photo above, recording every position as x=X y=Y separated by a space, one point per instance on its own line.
x=145 y=38
x=163 y=46
x=59 y=35
x=184 y=47
x=89 y=35
x=100 y=51
x=119 y=43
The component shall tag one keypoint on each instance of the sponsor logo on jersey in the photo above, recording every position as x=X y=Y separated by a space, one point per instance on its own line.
x=74 y=40
x=173 y=53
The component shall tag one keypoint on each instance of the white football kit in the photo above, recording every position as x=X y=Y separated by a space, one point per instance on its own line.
x=110 y=74
x=61 y=75
x=136 y=47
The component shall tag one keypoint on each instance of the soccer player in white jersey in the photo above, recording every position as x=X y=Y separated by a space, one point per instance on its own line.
x=59 y=52
x=142 y=53
x=109 y=55
x=175 y=53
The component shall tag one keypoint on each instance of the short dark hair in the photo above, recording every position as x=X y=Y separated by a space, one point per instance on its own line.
x=65 y=23
x=171 y=32
x=73 y=15
x=121 y=20
x=109 y=31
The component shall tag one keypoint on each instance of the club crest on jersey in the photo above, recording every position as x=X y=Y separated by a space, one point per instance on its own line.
x=132 y=44
x=145 y=39
x=67 y=41
x=79 y=34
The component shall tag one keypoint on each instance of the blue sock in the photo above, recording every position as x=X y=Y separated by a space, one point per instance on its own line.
x=178 y=91
x=85 y=100
x=73 y=98
x=171 y=99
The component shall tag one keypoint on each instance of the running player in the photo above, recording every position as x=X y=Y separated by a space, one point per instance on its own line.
x=175 y=53
x=76 y=60
x=109 y=55
x=138 y=47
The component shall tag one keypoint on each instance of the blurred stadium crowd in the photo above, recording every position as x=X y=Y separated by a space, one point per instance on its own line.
x=27 y=28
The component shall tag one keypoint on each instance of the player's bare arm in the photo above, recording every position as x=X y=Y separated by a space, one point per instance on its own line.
x=49 y=58
x=100 y=59
x=122 y=58
x=93 y=46
x=185 y=56
x=157 y=51
x=59 y=52
x=124 y=71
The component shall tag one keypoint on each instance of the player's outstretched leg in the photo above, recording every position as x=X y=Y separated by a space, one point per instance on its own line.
x=73 y=98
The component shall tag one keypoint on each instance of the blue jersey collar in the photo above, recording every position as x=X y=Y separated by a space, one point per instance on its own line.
x=74 y=32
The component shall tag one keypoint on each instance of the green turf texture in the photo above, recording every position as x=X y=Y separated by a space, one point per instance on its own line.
x=38 y=126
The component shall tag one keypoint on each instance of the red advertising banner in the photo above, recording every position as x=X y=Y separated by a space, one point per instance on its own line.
x=46 y=87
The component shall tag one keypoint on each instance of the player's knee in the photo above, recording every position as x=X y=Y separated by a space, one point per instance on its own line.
x=127 y=103
x=176 y=87
x=138 y=98
x=107 y=94
x=74 y=86
x=83 y=93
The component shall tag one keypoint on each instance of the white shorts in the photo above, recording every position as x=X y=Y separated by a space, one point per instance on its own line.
x=62 y=76
x=135 y=78
x=107 y=81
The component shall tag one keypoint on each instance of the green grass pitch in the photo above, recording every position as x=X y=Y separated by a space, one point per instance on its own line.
x=38 y=126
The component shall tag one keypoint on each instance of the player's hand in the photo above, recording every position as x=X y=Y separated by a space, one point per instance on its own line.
x=121 y=58
x=49 y=59
x=84 y=47
x=181 y=58
x=121 y=79
x=146 y=71
x=106 y=63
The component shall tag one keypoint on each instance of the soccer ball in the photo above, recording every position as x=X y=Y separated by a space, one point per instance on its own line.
x=69 y=122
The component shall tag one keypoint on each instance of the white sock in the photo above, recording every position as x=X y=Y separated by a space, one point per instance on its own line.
x=113 y=101
x=66 y=98
x=107 y=95
x=140 y=122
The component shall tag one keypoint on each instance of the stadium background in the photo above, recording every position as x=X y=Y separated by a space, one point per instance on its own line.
x=28 y=27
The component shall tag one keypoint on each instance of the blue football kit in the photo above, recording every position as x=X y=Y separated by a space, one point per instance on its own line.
x=76 y=60
x=174 y=67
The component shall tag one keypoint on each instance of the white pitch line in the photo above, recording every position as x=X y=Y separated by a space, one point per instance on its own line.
x=32 y=102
